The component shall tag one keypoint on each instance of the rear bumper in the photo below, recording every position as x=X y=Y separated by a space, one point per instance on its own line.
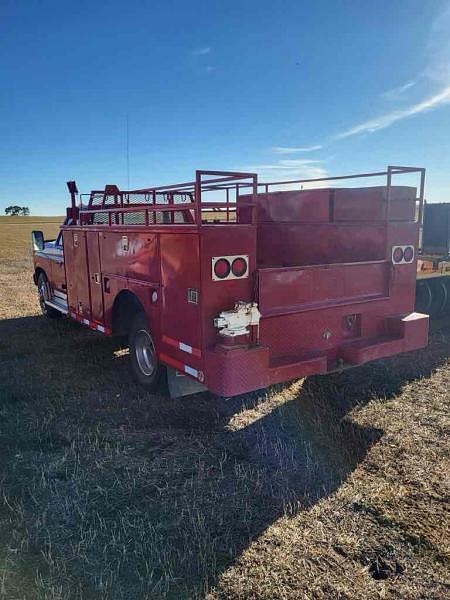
x=231 y=371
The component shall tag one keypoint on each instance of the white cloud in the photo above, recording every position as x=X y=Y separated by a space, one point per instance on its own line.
x=287 y=150
x=292 y=163
x=397 y=92
x=285 y=170
x=202 y=51
x=387 y=119
x=438 y=49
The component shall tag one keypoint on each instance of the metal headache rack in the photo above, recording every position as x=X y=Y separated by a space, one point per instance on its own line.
x=174 y=204
x=233 y=199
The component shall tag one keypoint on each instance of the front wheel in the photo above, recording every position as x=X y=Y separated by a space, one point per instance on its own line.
x=44 y=294
x=145 y=365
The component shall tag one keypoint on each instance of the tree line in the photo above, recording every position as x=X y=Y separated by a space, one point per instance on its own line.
x=14 y=211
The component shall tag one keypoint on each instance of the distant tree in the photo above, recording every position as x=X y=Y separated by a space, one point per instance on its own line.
x=15 y=210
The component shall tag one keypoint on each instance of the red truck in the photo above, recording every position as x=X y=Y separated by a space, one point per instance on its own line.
x=233 y=285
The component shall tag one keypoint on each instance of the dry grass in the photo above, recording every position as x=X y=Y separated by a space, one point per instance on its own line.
x=332 y=487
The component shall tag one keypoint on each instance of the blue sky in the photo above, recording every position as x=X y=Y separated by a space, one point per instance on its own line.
x=287 y=89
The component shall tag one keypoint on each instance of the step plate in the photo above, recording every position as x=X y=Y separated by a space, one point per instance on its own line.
x=60 y=306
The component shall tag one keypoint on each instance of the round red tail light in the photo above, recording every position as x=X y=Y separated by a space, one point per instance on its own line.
x=397 y=255
x=222 y=268
x=239 y=267
x=408 y=254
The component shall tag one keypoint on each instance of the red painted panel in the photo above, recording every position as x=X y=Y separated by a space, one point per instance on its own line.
x=58 y=273
x=413 y=328
x=338 y=225
x=369 y=204
x=296 y=288
x=139 y=260
x=293 y=206
x=403 y=286
x=110 y=292
x=291 y=244
x=95 y=276
x=180 y=271
x=75 y=257
x=303 y=335
x=46 y=264
x=402 y=234
x=231 y=372
x=144 y=292
x=284 y=371
x=216 y=296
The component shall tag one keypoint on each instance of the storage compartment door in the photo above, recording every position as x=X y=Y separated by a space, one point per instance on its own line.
x=295 y=289
x=180 y=278
x=95 y=276
x=75 y=257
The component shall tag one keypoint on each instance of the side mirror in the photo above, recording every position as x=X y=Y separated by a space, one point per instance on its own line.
x=37 y=238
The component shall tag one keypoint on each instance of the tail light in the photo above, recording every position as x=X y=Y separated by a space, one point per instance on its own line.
x=402 y=254
x=239 y=267
x=229 y=267
x=408 y=254
x=397 y=254
x=221 y=268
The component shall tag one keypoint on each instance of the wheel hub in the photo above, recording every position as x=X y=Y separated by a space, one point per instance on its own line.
x=145 y=353
x=42 y=297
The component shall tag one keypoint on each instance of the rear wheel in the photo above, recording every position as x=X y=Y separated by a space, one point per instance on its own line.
x=44 y=294
x=424 y=297
x=145 y=366
x=439 y=297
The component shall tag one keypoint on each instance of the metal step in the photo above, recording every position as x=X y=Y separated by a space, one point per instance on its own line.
x=59 y=295
x=58 y=304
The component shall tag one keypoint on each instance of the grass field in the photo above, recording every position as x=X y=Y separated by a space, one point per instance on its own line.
x=330 y=487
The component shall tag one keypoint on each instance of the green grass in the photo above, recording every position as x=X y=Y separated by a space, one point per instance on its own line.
x=331 y=487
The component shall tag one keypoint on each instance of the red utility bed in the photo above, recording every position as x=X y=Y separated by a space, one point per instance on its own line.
x=325 y=278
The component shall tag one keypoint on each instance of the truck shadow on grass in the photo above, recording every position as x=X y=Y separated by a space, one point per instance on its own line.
x=131 y=495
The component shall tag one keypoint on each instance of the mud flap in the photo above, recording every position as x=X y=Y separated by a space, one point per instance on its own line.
x=182 y=385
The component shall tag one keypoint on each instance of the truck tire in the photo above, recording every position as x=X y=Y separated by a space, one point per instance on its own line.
x=145 y=366
x=43 y=291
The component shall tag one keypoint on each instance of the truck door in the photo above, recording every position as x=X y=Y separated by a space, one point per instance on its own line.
x=77 y=274
x=58 y=270
x=95 y=278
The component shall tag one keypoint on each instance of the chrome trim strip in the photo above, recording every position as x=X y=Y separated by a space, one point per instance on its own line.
x=56 y=257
